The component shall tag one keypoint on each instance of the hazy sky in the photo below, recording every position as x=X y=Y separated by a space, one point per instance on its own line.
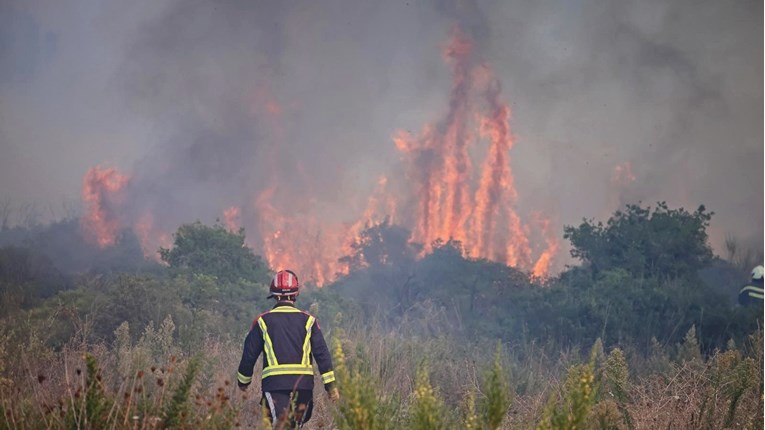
x=205 y=101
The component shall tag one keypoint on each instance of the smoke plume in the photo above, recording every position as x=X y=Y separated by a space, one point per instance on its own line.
x=493 y=123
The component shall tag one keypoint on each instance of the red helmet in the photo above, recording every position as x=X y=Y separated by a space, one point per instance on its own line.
x=285 y=283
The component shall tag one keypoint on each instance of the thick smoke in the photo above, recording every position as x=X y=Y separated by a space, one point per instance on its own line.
x=223 y=104
x=674 y=89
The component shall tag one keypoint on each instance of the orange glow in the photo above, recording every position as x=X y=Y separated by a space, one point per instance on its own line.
x=232 y=218
x=451 y=204
x=102 y=190
x=301 y=243
x=291 y=241
x=542 y=265
x=150 y=238
x=143 y=230
x=443 y=198
x=622 y=175
x=104 y=194
x=456 y=139
x=447 y=199
x=457 y=183
x=495 y=189
x=622 y=178
x=274 y=108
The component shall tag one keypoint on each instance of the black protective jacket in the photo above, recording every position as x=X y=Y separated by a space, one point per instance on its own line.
x=290 y=341
x=751 y=294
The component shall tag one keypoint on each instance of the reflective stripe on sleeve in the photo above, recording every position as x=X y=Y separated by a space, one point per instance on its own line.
x=243 y=379
x=328 y=377
x=268 y=347
x=307 y=342
x=752 y=291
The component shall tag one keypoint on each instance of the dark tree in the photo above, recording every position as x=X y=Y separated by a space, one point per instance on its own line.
x=214 y=251
x=660 y=242
x=381 y=245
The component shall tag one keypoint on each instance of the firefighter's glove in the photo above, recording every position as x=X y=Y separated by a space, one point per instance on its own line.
x=334 y=395
x=243 y=387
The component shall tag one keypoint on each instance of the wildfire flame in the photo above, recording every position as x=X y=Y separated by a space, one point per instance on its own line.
x=313 y=249
x=484 y=220
x=101 y=191
x=294 y=242
x=542 y=266
x=442 y=196
x=232 y=218
x=150 y=237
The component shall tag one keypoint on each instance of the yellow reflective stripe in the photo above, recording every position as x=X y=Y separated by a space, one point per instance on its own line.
x=307 y=342
x=752 y=291
x=328 y=377
x=274 y=368
x=287 y=366
x=288 y=372
x=267 y=345
x=287 y=369
x=243 y=379
x=284 y=309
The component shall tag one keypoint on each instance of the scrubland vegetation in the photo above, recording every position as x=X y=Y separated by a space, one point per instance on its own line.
x=643 y=334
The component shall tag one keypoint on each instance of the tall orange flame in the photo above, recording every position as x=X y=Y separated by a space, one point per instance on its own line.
x=313 y=249
x=101 y=190
x=486 y=221
x=441 y=197
x=456 y=138
x=449 y=202
x=542 y=266
x=496 y=184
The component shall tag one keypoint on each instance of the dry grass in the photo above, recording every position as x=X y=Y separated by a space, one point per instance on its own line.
x=405 y=381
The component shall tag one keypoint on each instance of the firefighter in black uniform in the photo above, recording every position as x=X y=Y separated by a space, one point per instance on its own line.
x=290 y=340
x=751 y=293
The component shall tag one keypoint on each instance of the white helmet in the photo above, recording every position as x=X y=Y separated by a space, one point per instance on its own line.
x=757 y=273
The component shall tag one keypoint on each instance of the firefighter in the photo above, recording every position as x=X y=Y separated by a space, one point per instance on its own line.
x=751 y=293
x=290 y=340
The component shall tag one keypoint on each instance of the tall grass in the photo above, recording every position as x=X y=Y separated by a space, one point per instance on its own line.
x=386 y=381
x=364 y=405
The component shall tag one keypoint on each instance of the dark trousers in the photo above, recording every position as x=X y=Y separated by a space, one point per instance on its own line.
x=288 y=409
